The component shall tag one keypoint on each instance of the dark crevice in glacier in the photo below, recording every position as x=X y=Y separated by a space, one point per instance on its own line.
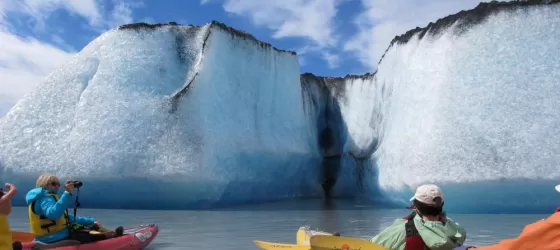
x=332 y=128
x=176 y=99
x=214 y=24
x=182 y=34
x=330 y=125
x=181 y=44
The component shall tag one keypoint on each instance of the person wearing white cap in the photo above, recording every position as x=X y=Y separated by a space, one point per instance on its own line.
x=427 y=227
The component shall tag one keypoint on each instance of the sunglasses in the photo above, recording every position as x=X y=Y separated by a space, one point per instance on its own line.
x=54 y=183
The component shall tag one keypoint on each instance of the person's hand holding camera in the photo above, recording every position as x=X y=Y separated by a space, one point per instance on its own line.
x=69 y=186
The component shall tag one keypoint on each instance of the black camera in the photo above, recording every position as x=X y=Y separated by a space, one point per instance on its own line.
x=77 y=184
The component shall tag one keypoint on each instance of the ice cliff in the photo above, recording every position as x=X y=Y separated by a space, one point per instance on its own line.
x=175 y=116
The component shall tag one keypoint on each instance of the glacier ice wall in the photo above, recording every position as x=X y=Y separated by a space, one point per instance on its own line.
x=199 y=116
x=193 y=116
x=467 y=102
x=474 y=107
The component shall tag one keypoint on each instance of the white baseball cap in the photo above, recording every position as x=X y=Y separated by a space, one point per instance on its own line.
x=429 y=192
x=558 y=187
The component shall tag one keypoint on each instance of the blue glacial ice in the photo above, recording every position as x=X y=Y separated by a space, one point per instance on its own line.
x=172 y=116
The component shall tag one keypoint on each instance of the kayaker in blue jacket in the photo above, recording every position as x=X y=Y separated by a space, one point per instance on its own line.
x=48 y=215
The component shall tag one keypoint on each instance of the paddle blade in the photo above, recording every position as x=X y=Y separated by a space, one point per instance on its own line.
x=328 y=242
x=22 y=236
x=274 y=245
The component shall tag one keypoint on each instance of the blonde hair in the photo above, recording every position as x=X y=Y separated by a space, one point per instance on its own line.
x=45 y=179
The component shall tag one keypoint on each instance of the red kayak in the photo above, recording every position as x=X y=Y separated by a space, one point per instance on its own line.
x=132 y=239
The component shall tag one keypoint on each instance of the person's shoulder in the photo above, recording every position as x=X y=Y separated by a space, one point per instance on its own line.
x=391 y=235
x=453 y=222
x=447 y=218
x=35 y=195
x=397 y=223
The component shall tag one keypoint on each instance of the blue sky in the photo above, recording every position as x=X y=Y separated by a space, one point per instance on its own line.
x=332 y=37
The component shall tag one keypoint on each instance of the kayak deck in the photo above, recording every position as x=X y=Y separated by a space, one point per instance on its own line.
x=303 y=236
x=134 y=238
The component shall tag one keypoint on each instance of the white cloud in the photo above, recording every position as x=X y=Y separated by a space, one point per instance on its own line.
x=309 y=19
x=91 y=10
x=121 y=14
x=382 y=20
x=39 y=11
x=24 y=62
x=333 y=60
x=20 y=66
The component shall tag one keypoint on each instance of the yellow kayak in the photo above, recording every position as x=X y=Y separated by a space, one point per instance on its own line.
x=329 y=242
x=275 y=245
x=303 y=235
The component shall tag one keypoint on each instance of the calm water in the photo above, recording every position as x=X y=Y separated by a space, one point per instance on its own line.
x=236 y=228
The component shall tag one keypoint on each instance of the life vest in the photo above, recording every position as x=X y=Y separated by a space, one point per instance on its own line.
x=413 y=239
x=41 y=225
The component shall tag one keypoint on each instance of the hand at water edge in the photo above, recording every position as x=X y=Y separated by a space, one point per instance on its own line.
x=98 y=226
